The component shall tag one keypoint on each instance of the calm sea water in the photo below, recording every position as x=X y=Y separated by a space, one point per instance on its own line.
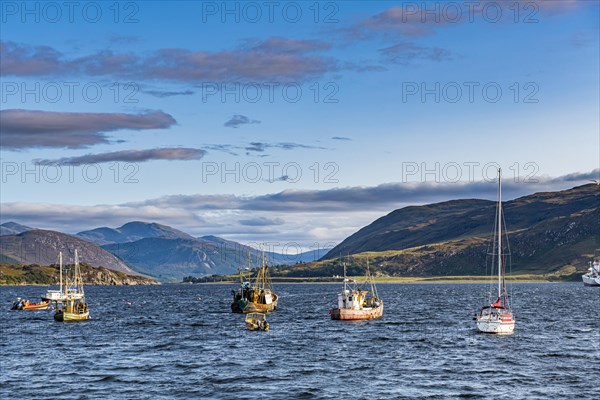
x=151 y=342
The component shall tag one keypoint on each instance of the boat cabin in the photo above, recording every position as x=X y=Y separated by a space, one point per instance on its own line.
x=351 y=300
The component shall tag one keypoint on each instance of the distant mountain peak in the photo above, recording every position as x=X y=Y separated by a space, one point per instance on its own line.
x=132 y=231
x=13 y=228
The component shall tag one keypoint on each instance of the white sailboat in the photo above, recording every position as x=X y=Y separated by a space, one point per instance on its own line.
x=497 y=317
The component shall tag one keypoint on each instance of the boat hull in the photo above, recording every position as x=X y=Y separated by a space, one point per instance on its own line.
x=497 y=326
x=61 y=316
x=256 y=327
x=259 y=307
x=343 y=314
x=245 y=306
x=590 y=280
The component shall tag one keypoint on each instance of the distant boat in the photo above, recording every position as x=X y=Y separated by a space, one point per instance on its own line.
x=497 y=317
x=71 y=305
x=592 y=278
x=258 y=297
x=356 y=303
x=257 y=322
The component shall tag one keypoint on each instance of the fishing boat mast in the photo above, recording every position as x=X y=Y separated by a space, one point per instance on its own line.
x=345 y=279
x=78 y=279
x=60 y=270
x=371 y=281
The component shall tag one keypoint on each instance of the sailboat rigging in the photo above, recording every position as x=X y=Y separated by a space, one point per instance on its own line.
x=497 y=317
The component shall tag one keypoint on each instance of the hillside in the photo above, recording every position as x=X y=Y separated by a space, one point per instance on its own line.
x=547 y=231
x=11 y=274
x=41 y=247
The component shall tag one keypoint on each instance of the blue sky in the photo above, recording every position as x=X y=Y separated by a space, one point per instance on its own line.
x=137 y=111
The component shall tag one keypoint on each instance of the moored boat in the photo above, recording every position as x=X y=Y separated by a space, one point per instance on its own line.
x=257 y=322
x=19 y=305
x=357 y=303
x=71 y=307
x=497 y=317
x=592 y=277
x=258 y=297
x=43 y=305
x=59 y=295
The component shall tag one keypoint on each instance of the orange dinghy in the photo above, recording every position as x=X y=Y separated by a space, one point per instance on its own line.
x=43 y=305
x=19 y=305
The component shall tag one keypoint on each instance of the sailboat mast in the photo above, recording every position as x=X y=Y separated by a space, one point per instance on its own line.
x=60 y=269
x=499 y=232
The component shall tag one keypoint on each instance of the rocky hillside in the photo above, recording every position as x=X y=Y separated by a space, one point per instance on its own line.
x=547 y=232
x=461 y=219
x=11 y=274
x=41 y=247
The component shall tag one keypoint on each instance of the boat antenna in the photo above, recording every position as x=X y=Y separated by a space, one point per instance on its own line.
x=345 y=279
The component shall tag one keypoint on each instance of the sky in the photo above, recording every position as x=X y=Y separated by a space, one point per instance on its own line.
x=289 y=122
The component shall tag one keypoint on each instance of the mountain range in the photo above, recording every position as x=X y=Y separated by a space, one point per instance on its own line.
x=547 y=231
x=137 y=247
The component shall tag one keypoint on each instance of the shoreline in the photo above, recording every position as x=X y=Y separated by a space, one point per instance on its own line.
x=406 y=280
x=525 y=278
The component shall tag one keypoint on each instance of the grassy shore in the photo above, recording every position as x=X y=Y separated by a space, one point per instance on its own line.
x=523 y=278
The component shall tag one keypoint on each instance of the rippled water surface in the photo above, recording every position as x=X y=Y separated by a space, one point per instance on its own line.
x=181 y=341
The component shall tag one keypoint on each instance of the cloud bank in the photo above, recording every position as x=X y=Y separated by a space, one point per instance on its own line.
x=170 y=154
x=21 y=129
x=320 y=215
x=273 y=59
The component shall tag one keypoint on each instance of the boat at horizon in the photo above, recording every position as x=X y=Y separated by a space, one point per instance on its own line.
x=356 y=304
x=592 y=277
x=496 y=316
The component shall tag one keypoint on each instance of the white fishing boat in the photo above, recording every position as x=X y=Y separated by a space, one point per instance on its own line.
x=497 y=317
x=59 y=295
x=592 y=278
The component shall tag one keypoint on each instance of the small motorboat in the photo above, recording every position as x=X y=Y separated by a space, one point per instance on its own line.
x=19 y=305
x=257 y=322
x=42 y=305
